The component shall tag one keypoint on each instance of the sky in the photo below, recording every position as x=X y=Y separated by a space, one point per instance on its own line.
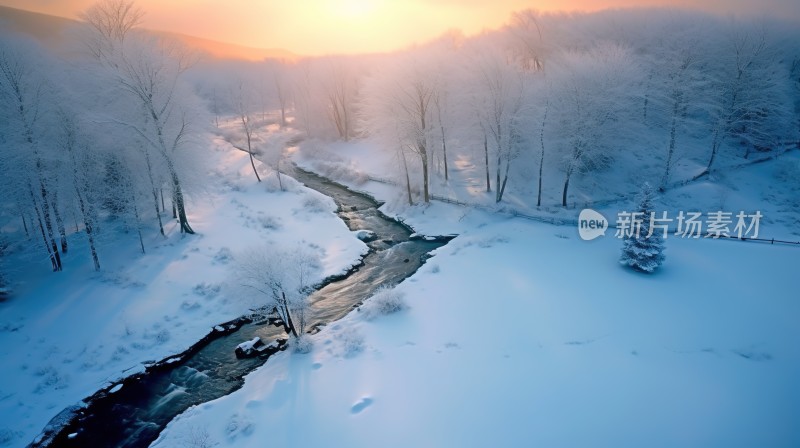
x=316 y=27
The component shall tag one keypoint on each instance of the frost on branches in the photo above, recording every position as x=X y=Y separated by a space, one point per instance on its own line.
x=643 y=249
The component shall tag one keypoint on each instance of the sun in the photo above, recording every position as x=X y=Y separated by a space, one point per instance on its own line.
x=354 y=9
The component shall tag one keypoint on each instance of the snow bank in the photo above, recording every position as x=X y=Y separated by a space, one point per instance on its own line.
x=520 y=334
x=65 y=335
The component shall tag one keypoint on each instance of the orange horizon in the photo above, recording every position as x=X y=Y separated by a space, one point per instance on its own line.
x=319 y=27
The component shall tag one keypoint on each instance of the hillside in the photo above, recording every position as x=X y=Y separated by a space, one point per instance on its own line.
x=50 y=30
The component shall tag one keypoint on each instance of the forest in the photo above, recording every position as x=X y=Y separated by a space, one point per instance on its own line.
x=104 y=133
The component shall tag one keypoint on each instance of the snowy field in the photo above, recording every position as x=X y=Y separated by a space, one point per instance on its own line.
x=65 y=335
x=520 y=334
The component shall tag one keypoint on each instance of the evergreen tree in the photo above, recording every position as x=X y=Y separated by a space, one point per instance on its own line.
x=641 y=251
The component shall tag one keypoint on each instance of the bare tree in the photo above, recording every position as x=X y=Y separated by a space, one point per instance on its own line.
x=592 y=89
x=112 y=20
x=243 y=112
x=398 y=109
x=750 y=100
x=541 y=155
x=499 y=104
x=22 y=91
x=340 y=93
x=526 y=33
x=279 y=280
x=282 y=91
x=441 y=105
x=148 y=71
x=81 y=166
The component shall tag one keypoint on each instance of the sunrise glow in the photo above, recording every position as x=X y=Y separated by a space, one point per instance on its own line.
x=315 y=27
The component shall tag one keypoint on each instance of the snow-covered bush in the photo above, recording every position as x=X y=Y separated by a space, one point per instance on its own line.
x=301 y=344
x=208 y=290
x=384 y=301
x=351 y=342
x=223 y=256
x=315 y=204
x=270 y=222
x=198 y=437
x=277 y=278
x=238 y=426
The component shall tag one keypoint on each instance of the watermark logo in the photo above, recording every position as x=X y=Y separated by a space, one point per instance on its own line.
x=591 y=224
x=718 y=224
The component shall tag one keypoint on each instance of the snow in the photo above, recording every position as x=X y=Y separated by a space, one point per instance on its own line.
x=64 y=336
x=249 y=345
x=552 y=343
x=519 y=333
x=364 y=235
x=116 y=389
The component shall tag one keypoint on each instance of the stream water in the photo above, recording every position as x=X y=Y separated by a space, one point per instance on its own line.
x=134 y=415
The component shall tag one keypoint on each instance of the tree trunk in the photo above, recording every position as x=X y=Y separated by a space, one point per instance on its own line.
x=715 y=143
x=408 y=179
x=252 y=162
x=62 y=231
x=24 y=220
x=163 y=207
x=289 y=321
x=138 y=221
x=179 y=201
x=502 y=188
x=153 y=187
x=497 y=177
x=541 y=158
x=425 y=176
x=248 y=134
x=671 y=150
x=158 y=215
x=444 y=154
x=566 y=188
x=25 y=225
x=48 y=224
x=56 y=263
x=87 y=225
x=278 y=173
x=646 y=98
x=486 y=162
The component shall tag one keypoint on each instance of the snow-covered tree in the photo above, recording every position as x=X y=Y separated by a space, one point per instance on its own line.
x=280 y=280
x=643 y=246
x=498 y=98
x=24 y=95
x=340 y=88
x=398 y=111
x=592 y=90
x=750 y=101
x=147 y=71
x=245 y=118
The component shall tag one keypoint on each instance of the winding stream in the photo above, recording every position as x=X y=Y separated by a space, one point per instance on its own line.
x=134 y=415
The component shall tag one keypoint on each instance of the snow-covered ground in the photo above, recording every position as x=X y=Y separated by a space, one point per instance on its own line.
x=65 y=335
x=773 y=188
x=521 y=334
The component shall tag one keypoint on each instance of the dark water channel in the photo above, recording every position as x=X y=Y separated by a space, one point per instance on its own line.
x=134 y=415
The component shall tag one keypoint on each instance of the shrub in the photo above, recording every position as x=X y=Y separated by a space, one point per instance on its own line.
x=351 y=342
x=384 y=301
x=302 y=344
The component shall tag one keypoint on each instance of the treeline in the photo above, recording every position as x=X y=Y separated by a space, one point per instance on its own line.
x=553 y=105
x=98 y=138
